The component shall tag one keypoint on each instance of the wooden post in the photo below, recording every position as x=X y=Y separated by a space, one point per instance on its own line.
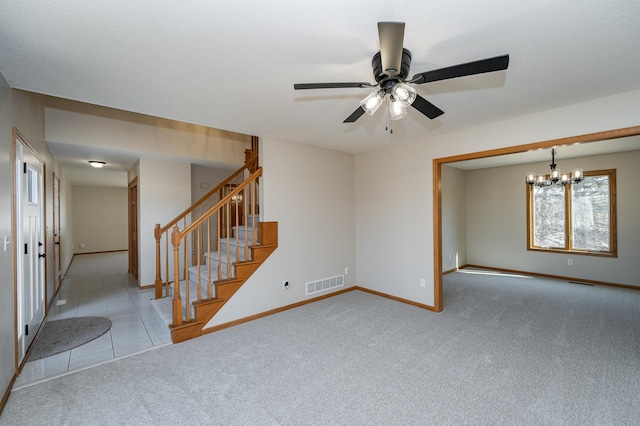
x=177 y=302
x=157 y=232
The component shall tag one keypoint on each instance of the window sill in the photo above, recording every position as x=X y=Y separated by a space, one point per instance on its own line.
x=576 y=252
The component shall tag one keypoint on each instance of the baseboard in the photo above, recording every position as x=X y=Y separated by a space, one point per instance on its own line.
x=274 y=311
x=7 y=392
x=99 y=252
x=397 y=299
x=556 y=277
x=453 y=270
x=306 y=302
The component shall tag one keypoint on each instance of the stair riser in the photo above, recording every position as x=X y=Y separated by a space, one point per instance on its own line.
x=233 y=243
x=193 y=276
x=234 y=255
x=204 y=310
x=243 y=233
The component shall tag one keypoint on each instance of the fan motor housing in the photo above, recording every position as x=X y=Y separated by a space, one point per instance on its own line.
x=378 y=72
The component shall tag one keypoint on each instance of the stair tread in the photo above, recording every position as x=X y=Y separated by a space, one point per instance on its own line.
x=208 y=276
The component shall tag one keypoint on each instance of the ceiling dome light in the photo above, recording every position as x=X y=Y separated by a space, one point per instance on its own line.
x=404 y=94
x=371 y=103
x=396 y=110
x=97 y=164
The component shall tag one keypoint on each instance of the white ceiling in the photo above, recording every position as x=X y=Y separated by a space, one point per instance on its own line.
x=232 y=65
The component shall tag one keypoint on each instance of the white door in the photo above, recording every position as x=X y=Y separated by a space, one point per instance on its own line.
x=30 y=247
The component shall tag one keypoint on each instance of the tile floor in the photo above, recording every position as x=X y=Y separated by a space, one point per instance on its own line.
x=98 y=285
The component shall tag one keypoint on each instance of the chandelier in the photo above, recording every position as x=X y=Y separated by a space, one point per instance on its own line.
x=556 y=177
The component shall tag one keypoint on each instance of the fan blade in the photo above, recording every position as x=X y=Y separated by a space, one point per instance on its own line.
x=426 y=107
x=300 y=86
x=353 y=117
x=391 y=36
x=470 y=68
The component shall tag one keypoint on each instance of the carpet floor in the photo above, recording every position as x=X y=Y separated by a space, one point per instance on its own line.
x=506 y=350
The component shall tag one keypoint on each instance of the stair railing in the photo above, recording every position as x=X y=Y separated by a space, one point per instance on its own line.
x=195 y=211
x=237 y=208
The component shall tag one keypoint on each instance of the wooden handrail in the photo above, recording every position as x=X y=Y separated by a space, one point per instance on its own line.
x=160 y=232
x=209 y=194
x=221 y=203
x=191 y=238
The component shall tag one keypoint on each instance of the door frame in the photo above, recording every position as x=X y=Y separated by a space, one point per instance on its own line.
x=57 y=255
x=23 y=141
x=133 y=213
x=437 y=186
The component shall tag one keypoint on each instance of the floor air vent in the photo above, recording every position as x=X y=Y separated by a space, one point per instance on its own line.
x=325 y=284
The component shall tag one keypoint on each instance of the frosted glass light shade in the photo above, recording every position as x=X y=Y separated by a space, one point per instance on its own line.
x=404 y=94
x=396 y=110
x=577 y=174
x=371 y=103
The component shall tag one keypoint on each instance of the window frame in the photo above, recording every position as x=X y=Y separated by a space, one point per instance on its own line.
x=568 y=248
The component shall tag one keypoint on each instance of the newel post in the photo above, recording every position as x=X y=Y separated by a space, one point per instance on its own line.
x=157 y=233
x=177 y=302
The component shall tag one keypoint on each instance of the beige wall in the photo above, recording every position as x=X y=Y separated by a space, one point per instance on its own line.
x=164 y=192
x=310 y=192
x=7 y=311
x=454 y=219
x=66 y=223
x=496 y=221
x=210 y=176
x=99 y=219
x=122 y=131
x=394 y=208
x=24 y=112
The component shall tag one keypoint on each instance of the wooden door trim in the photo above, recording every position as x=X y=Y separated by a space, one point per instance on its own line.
x=17 y=136
x=132 y=184
x=437 y=186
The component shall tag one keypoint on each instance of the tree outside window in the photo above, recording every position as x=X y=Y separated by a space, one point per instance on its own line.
x=577 y=218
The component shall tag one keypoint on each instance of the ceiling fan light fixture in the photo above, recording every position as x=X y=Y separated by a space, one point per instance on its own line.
x=371 y=103
x=397 y=110
x=97 y=164
x=404 y=94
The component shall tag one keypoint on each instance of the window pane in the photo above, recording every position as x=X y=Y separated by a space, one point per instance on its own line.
x=590 y=214
x=32 y=186
x=548 y=216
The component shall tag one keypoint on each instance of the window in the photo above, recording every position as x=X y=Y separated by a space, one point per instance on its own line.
x=578 y=218
x=32 y=186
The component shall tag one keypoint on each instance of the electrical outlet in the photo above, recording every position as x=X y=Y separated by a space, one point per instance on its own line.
x=285 y=285
x=449 y=256
x=570 y=262
x=423 y=282
x=346 y=271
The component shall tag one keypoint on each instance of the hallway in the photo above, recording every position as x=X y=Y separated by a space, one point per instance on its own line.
x=98 y=285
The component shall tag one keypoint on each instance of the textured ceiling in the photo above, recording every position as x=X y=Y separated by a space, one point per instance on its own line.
x=232 y=65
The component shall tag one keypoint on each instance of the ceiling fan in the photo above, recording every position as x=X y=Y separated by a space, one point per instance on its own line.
x=390 y=70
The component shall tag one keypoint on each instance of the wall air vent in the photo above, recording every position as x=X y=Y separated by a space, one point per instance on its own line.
x=325 y=284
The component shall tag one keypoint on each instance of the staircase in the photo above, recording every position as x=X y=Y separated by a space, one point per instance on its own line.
x=199 y=268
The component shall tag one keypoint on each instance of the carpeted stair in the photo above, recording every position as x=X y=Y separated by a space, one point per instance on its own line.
x=235 y=252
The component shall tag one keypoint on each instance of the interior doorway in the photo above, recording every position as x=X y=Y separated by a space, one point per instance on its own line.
x=437 y=186
x=30 y=247
x=133 y=227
